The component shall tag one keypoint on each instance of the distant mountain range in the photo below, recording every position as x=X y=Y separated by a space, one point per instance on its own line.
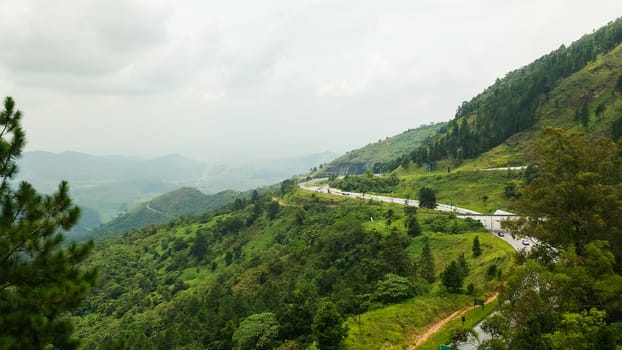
x=106 y=187
x=45 y=169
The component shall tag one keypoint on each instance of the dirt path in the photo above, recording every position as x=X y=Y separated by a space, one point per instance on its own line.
x=435 y=328
x=421 y=338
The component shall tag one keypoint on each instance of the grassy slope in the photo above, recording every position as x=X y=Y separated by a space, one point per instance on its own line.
x=462 y=188
x=387 y=149
x=190 y=201
x=395 y=326
x=472 y=317
x=391 y=147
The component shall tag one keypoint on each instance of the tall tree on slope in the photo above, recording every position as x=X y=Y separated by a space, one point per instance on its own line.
x=577 y=195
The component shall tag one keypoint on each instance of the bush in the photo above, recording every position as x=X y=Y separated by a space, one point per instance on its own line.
x=258 y=331
x=393 y=289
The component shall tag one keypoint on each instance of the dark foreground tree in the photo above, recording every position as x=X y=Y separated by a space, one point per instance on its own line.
x=567 y=297
x=40 y=278
x=412 y=224
x=426 y=263
x=199 y=246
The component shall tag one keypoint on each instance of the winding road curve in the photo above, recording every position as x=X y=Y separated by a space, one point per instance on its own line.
x=491 y=223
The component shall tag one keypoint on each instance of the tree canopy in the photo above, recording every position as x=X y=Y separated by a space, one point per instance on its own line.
x=427 y=198
x=328 y=328
x=566 y=296
x=574 y=196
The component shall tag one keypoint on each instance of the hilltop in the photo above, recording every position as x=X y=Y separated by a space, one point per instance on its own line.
x=595 y=91
x=582 y=98
x=375 y=155
x=166 y=207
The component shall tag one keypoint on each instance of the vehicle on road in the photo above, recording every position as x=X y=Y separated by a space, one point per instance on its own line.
x=500 y=233
x=525 y=241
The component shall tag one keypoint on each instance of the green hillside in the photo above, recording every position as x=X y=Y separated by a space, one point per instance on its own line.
x=515 y=103
x=589 y=100
x=190 y=201
x=375 y=155
x=166 y=207
x=596 y=89
x=200 y=282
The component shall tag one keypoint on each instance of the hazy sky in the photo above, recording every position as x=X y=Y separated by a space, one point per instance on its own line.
x=270 y=78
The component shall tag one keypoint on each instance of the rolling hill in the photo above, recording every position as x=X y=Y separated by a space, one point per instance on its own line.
x=375 y=155
x=108 y=186
x=595 y=90
x=166 y=207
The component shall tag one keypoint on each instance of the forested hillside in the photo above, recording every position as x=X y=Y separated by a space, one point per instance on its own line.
x=511 y=104
x=164 y=208
x=264 y=273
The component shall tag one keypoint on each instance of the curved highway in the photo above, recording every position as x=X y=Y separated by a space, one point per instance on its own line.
x=491 y=223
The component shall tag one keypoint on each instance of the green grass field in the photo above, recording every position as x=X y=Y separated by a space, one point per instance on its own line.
x=479 y=190
x=396 y=326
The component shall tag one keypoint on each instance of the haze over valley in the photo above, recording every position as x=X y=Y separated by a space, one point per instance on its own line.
x=168 y=178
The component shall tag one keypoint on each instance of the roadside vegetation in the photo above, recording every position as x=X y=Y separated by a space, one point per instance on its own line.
x=483 y=191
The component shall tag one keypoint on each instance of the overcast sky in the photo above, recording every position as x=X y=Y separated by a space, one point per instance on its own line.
x=263 y=79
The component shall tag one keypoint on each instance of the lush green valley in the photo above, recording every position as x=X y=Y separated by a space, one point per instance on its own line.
x=292 y=270
x=204 y=277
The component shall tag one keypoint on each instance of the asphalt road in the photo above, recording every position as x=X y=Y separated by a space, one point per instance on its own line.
x=492 y=223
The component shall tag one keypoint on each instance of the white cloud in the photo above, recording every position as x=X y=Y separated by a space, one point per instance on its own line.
x=224 y=78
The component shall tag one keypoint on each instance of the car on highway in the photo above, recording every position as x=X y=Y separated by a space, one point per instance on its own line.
x=525 y=241
x=500 y=233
